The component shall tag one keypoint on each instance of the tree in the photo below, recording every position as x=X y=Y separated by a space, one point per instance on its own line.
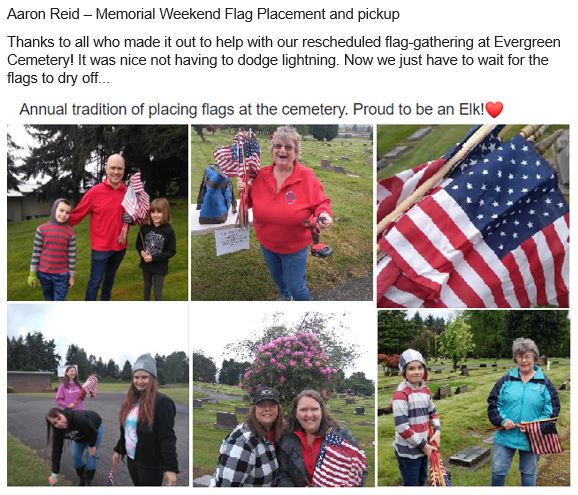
x=360 y=384
x=32 y=353
x=12 y=181
x=76 y=355
x=232 y=371
x=126 y=373
x=324 y=132
x=327 y=328
x=204 y=368
x=176 y=367
x=457 y=341
x=489 y=332
x=394 y=331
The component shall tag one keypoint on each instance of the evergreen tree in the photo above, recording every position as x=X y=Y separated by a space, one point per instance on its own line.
x=394 y=331
x=12 y=180
x=204 y=368
x=126 y=373
x=231 y=371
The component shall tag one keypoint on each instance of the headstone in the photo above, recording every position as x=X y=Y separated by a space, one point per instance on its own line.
x=360 y=411
x=470 y=457
x=494 y=365
x=384 y=410
x=438 y=371
x=564 y=386
x=345 y=158
x=395 y=152
x=197 y=403
x=325 y=163
x=443 y=392
x=226 y=420
x=394 y=372
x=465 y=372
x=483 y=365
x=462 y=389
x=241 y=410
x=382 y=164
x=417 y=135
x=202 y=481
x=350 y=400
x=212 y=401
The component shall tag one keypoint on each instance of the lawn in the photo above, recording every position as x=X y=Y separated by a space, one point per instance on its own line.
x=128 y=284
x=243 y=275
x=207 y=439
x=464 y=422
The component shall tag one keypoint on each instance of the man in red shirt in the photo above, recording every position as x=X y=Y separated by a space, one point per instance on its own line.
x=104 y=204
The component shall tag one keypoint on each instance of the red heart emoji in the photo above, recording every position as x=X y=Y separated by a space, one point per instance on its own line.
x=494 y=108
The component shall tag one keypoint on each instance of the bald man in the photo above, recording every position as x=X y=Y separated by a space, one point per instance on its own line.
x=103 y=203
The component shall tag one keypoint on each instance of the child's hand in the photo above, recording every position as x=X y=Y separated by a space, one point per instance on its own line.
x=326 y=222
x=32 y=280
x=71 y=282
x=72 y=405
x=435 y=439
x=92 y=451
x=146 y=256
x=428 y=450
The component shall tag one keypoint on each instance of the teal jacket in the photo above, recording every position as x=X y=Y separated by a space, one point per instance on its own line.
x=513 y=399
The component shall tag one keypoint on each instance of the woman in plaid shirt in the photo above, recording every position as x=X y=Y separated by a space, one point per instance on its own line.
x=247 y=456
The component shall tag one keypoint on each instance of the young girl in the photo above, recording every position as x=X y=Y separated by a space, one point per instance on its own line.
x=86 y=430
x=70 y=393
x=413 y=411
x=156 y=243
x=147 y=436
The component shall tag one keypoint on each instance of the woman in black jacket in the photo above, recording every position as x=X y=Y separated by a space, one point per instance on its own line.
x=85 y=429
x=147 y=436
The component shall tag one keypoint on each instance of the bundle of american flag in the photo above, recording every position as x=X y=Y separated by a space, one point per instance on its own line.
x=88 y=388
x=543 y=436
x=242 y=159
x=438 y=474
x=339 y=463
x=110 y=478
x=136 y=201
x=493 y=233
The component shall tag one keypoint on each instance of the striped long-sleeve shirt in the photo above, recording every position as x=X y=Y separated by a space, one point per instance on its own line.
x=413 y=410
x=54 y=249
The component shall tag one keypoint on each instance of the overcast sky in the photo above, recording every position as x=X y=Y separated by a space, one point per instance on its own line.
x=243 y=323
x=118 y=331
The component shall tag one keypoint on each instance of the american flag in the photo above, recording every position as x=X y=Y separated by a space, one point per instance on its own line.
x=230 y=158
x=90 y=386
x=110 y=478
x=494 y=233
x=339 y=463
x=136 y=201
x=543 y=436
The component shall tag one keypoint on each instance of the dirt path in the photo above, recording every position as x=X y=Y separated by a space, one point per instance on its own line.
x=355 y=289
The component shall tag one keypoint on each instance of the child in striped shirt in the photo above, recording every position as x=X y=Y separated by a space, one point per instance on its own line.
x=414 y=411
x=54 y=254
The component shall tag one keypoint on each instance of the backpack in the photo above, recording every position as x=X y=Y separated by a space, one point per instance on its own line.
x=215 y=196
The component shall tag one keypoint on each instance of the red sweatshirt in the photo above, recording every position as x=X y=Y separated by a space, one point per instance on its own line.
x=278 y=216
x=104 y=204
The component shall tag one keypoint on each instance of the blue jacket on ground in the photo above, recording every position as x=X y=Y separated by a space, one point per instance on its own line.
x=513 y=399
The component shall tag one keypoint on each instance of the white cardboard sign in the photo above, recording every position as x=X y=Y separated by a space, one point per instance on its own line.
x=231 y=240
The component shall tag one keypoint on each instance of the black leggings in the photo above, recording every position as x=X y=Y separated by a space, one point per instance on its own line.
x=141 y=476
x=154 y=281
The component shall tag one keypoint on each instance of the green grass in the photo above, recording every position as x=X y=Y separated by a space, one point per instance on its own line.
x=464 y=420
x=243 y=275
x=179 y=393
x=26 y=468
x=207 y=439
x=128 y=284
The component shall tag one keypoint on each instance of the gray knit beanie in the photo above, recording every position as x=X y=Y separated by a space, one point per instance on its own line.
x=408 y=356
x=146 y=363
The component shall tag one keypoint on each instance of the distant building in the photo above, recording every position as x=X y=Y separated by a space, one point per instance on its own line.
x=26 y=204
x=30 y=381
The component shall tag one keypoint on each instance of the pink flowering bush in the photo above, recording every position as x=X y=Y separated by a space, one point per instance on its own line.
x=290 y=364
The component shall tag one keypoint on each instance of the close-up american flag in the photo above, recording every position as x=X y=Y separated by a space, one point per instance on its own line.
x=494 y=233
x=136 y=201
x=230 y=158
x=339 y=463
x=543 y=436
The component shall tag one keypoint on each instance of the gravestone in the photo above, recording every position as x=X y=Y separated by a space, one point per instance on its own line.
x=212 y=401
x=564 y=386
x=438 y=371
x=226 y=420
x=197 y=403
x=470 y=457
x=395 y=152
x=360 y=411
x=202 y=481
x=241 y=410
x=384 y=410
x=494 y=365
x=350 y=400
x=417 y=135
x=325 y=163
x=382 y=164
x=483 y=365
x=394 y=372
x=345 y=158
x=443 y=392
x=462 y=389
x=465 y=372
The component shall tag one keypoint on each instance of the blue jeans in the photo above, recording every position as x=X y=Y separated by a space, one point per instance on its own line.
x=501 y=460
x=77 y=451
x=103 y=267
x=413 y=471
x=288 y=272
x=54 y=286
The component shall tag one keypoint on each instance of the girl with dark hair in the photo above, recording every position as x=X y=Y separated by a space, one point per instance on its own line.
x=247 y=456
x=86 y=430
x=147 y=435
x=306 y=437
x=70 y=393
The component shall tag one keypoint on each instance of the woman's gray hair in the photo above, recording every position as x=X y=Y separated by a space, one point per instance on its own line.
x=523 y=345
x=287 y=133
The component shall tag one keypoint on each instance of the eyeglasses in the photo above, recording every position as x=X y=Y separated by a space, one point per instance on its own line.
x=287 y=147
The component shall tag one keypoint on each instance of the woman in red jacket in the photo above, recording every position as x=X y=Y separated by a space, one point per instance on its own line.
x=283 y=196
